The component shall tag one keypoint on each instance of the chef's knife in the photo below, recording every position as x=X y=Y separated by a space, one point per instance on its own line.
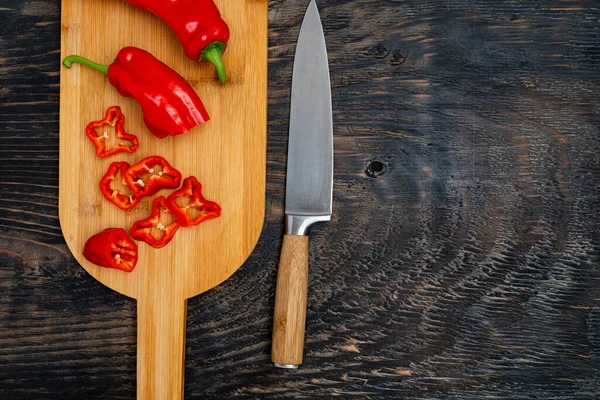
x=309 y=186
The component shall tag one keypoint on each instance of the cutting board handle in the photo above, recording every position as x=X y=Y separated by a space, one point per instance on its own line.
x=290 y=303
x=161 y=347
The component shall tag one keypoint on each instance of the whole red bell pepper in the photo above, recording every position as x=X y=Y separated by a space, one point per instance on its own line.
x=114 y=117
x=197 y=24
x=112 y=248
x=192 y=189
x=142 y=230
x=162 y=176
x=170 y=105
x=122 y=200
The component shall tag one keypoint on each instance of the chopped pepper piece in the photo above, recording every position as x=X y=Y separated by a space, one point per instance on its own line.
x=114 y=117
x=169 y=103
x=198 y=25
x=121 y=200
x=142 y=230
x=162 y=176
x=112 y=248
x=193 y=189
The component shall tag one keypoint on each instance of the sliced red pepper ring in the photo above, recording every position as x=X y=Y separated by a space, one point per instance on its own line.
x=159 y=175
x=115 y=118
x=143 y=230
x=112 y=248
x=122 y=200
x=203 y=209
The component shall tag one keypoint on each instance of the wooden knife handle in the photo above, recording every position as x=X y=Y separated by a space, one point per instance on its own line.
x=161 y=347
x=290 y=303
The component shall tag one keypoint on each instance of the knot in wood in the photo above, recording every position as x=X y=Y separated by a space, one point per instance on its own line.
x=375 y=168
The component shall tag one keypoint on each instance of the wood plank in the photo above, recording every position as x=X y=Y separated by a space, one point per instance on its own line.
x=458 y=265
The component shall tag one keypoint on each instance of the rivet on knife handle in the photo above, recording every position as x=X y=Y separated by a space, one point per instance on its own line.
x=290 y=303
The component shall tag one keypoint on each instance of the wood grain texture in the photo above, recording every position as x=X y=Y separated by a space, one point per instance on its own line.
x=227 y=155
x=289 y=318
x=160 y=347
x=462 y=261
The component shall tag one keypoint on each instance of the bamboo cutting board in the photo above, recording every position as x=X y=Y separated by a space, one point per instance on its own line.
x=227 y=155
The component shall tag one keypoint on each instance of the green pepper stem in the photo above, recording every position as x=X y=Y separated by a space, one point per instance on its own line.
x=68 y=61
x=212 y=53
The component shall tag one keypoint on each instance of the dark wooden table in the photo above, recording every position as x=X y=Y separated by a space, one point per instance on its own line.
x=462 y=261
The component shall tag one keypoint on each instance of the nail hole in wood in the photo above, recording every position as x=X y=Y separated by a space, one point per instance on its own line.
x=375 y=169
x=398 y=58
x=380 y=51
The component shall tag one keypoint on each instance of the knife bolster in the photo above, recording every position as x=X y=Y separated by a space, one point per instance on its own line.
x=298 y=225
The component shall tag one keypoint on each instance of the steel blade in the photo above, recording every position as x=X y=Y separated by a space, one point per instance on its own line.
x=309 y=185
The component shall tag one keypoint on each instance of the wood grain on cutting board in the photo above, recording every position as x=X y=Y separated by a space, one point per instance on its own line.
x=227 y=155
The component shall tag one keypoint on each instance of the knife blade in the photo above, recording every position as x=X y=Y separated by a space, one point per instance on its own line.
x=309 y=185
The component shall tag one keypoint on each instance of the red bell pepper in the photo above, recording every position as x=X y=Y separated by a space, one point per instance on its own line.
x=114 y=117
x=197 y=24
x=112 y=248
x=142 y=230
x=121 y=200
x=170 y=105
x=162 y=176
x=193 y=189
